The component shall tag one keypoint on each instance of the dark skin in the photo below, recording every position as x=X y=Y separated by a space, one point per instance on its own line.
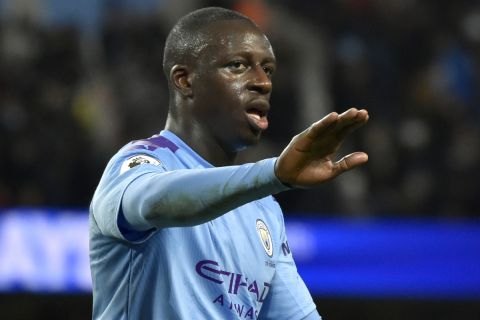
x=222 y=103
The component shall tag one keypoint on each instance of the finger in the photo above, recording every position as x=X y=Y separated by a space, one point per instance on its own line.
x=362 y=115
x=323 y=125
x=338 y=125
x=349 y=114
x=336 y=121
x=304 y=141
x=361 y=120
x=349 y=162
x=349 y=117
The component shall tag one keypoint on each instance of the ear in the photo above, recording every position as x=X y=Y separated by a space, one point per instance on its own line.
x=181 y=78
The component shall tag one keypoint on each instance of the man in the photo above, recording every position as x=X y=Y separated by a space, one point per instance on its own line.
x=178 y=231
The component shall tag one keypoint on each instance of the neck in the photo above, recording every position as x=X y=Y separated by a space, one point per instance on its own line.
x=199 y=139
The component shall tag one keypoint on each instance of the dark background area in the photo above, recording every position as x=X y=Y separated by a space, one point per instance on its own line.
x=76 y=307
x=79 y=80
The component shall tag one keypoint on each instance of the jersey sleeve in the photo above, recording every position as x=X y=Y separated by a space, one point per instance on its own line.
x=188 y=197
x=132 y=203
x=288 y=297
x=106 y=207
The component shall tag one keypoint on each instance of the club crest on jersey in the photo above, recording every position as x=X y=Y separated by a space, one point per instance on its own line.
x=265 y=237
x=136 y=161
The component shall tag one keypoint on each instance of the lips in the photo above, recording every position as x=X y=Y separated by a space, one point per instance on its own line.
x=257 y=112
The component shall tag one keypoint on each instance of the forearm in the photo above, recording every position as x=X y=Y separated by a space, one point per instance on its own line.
x=194 y=196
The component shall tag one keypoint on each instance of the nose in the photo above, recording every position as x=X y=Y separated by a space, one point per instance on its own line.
x=260 y=81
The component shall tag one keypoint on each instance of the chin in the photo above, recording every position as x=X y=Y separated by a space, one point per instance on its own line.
x=248 y=137
x=250 y=141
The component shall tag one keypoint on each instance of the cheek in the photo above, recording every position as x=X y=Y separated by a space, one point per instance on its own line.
x=236 y=88
x=229 y=90
x=220 y=94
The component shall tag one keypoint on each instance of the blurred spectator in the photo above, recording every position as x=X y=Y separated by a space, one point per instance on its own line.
x=68 y=101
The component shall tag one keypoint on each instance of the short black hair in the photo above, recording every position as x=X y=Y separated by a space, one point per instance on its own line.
x=185 y=40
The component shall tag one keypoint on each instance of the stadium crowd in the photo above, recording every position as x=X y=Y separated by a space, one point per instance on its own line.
x=70 y=98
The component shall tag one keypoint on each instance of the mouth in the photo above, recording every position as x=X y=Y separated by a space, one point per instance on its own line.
x=257 y=115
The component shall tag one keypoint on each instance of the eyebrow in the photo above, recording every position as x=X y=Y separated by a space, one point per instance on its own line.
x=249 y=54
x=270 y=59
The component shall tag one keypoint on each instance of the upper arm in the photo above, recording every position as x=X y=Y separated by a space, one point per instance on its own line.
x=106 y=204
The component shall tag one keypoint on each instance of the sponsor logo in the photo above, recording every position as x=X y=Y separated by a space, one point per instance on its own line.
x=243 y=311
x=211 y=270
x=265 y=237
x=285 y=248
x=136 y=161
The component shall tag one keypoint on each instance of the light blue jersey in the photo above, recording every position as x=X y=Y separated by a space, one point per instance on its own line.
x=147 y=262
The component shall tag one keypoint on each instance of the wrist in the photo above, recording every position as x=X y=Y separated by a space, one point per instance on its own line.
x=286 y=184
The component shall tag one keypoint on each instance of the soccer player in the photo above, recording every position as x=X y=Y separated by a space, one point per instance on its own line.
x=177 y=230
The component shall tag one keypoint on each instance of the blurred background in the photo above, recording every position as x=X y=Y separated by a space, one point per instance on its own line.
x=78 y=80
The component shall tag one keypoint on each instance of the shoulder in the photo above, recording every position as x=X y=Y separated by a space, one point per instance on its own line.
x=156 y=151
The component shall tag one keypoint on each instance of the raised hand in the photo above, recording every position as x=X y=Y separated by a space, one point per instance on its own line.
x=309 y=159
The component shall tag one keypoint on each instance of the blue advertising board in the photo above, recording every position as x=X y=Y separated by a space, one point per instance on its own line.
x=46 y=250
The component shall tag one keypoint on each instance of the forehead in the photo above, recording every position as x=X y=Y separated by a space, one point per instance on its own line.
x=230 y=37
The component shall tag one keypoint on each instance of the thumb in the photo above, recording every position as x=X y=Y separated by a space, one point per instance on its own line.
x=350 y=161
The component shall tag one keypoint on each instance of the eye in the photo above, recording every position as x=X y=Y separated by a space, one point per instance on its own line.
x=268 y=70
x=237 y=66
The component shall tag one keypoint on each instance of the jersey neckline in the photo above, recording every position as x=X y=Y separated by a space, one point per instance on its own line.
x=180 y=143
